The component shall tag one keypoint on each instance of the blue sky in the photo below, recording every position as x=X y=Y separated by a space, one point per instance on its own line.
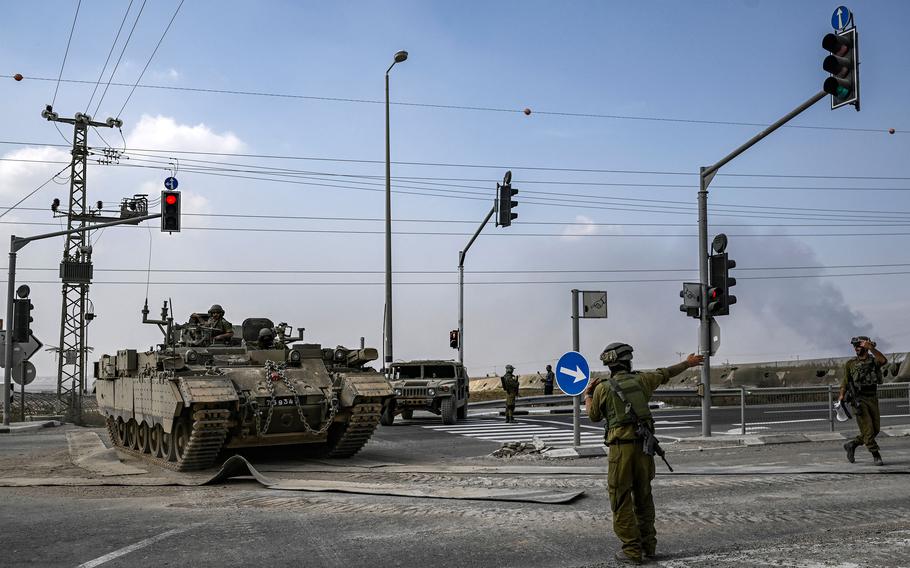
x=732 y=61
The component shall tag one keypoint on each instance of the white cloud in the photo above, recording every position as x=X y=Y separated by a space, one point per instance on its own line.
x=163 y=132
x=585 y=226
x=20 y=178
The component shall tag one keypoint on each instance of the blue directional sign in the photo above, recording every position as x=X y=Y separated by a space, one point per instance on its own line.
x=841 y=18
x=171 y=183
x=572 y=373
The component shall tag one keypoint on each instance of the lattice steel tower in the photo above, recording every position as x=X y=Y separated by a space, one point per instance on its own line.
x=76 y=267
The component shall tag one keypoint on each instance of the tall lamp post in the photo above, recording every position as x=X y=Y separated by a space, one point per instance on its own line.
x=387 y=332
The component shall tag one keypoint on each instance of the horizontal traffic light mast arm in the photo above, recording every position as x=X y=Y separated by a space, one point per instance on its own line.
x=708 y=172
x=17 y=243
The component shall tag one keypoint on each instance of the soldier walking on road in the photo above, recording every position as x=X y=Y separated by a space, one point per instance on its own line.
x=548 y=381
x=862 y=375
x=622 y=399
x=510 y=385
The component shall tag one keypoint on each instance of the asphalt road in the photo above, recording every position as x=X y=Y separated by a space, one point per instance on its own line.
x=783 y=505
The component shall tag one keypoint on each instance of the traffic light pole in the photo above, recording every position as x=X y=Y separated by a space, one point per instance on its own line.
x=16 y=243
x=461 y=256
x=706 y=175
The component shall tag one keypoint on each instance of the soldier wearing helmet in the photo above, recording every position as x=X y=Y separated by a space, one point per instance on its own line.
x=629 y=470
x=510 y=385
x=221 y=329
x=267 y=340
x=864 y=374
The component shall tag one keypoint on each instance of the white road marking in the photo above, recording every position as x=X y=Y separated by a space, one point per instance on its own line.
x=126 y=550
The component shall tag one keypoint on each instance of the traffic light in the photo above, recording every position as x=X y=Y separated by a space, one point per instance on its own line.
x=170 y=211
x=720 y=282
x=22 y=320
x=843 y=64
x=453 y=339
x=504 y=203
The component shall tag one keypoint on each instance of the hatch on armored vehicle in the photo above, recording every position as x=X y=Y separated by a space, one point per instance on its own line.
x=440 y=387
x=179 y=405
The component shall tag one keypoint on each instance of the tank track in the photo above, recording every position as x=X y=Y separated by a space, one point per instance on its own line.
x=209 y=429
x=356 y=433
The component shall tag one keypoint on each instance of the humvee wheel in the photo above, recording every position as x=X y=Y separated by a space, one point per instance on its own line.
x=132 y=432
x=387 y=417
x=407 y=414
x=462 y=412
x=155 y=436
x=142 y=439
x=448 y=411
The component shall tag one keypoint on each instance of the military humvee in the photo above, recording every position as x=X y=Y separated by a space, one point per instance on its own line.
x=440 y=387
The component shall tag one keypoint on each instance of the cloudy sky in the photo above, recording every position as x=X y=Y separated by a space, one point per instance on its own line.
x=283 y=175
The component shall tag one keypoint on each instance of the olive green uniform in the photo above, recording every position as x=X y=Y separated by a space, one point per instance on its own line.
x=221 y=327
x=630 y=470
x=510 y=385
x=866 y=375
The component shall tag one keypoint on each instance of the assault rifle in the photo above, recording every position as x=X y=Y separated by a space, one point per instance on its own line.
x=852 y=397
x=649 y=444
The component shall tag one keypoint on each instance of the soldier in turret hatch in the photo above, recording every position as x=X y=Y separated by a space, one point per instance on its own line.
x=267 y=340
x=222 y=330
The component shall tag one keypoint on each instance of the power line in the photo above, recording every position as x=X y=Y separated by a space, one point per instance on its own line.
x=120 y=57
x=33 y=192
x=147 y=63
x=66 y=53
x=474 y=108
x=109 y=53
x=474 y=221
x=503 y=233
x=481 y=166
x=472 y=272
x=477 y=283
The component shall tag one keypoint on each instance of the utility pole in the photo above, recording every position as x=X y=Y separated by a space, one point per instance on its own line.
x=76 y=266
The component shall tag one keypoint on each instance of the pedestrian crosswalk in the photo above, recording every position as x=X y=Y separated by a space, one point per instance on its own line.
x=522 y=430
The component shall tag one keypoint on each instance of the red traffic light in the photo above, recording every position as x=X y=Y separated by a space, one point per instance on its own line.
x=170 y=199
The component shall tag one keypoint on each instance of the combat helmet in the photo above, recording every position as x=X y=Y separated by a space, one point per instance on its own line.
x=616 y=353
x=510 y=368
x=266 y=332
x=216 y=309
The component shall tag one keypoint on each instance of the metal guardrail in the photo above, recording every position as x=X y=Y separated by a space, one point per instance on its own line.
x=782 y=407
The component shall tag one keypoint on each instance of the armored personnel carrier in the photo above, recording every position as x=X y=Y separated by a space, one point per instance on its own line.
x=181 y=404
x=440 y=387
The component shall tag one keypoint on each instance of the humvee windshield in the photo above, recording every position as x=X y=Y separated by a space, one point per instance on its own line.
x=429 y=372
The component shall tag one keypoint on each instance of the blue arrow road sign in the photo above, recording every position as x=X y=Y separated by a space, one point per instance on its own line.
x=841 y=18
x=171 y=183
x=572 y=373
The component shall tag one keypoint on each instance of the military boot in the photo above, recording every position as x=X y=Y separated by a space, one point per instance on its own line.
x=878 y=458
x=623 y=558
x=851 y=450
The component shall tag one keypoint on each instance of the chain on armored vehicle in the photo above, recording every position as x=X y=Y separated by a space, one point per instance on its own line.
x=440 y=387
x=183 y=403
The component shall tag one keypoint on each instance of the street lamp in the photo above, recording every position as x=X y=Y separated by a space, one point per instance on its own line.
x=387 y=332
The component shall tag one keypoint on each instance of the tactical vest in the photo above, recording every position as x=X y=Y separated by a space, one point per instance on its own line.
x=616 y=408
x=865 y=373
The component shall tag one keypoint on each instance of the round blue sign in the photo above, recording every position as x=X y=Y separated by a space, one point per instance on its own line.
x=171 y=183
x=841 y=18
x=572 y=373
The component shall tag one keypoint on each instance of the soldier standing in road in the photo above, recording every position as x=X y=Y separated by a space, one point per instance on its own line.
x=630 y=470
x=864 y=373
x=548 y=381
x=510 y=385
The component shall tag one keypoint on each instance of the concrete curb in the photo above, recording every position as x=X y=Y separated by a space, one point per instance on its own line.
x=16 y=427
